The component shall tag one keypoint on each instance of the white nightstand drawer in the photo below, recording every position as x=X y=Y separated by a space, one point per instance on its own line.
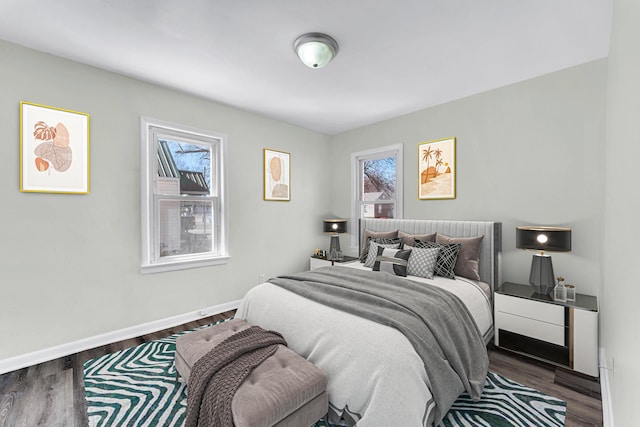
x=565 y=334
x=548 y=313
x=531 y=328
x=317 y=263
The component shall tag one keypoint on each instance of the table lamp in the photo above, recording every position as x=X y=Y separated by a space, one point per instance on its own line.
x=334 y=227
x=543 y=239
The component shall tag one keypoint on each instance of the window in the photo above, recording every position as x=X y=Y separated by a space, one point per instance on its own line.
x=376 y=181
x=184 y=220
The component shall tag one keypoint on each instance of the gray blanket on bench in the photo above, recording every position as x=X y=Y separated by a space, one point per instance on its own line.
x=435 y=321
x=217 y=375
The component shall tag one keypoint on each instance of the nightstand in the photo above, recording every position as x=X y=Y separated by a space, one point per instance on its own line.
x=316 y=262
x=562 y=333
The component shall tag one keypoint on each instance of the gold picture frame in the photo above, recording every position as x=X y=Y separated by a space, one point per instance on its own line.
x=277 y=175
x=437 y=169
x=54 y=150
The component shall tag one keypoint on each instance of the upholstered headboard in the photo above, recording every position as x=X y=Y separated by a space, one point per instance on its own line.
x=490 y=268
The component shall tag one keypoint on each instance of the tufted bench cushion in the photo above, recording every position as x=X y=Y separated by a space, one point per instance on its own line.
x=285 y=390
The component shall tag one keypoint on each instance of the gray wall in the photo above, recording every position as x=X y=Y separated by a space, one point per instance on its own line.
x=70 y=263
x=621 y=290
x=528 y=153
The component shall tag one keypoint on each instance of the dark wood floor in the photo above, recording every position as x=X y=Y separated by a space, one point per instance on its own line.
x=584 y=403
x=52 y=394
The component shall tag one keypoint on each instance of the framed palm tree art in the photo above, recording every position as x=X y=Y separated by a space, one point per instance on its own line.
x=437 y=169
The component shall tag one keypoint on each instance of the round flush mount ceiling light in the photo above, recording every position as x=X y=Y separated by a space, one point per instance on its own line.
x=315 y=50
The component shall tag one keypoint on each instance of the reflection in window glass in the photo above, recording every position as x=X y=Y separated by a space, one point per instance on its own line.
x=378 y=210
x=185 y=227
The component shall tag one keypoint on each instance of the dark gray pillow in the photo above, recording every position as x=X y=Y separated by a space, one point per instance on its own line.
x=392 y=261
x=447 y=257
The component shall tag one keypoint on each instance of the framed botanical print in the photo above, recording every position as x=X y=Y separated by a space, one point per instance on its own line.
x=54 y=150
x=437 y=169
x=277 y=175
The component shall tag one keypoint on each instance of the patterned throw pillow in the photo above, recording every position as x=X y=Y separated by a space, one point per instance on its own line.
x=373 y=249
x=447 y=257
x=422 y=262
x=380 y=240
x=392 y=261
x=468 y=262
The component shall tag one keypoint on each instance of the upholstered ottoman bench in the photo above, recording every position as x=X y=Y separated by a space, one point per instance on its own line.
x=285 y=390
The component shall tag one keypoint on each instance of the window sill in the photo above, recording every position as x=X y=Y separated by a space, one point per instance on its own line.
x=161 y=267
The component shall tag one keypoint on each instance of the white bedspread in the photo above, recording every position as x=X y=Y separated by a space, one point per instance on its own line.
x=374 y=374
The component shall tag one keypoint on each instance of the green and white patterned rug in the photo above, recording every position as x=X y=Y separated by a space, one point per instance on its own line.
x=137 y=387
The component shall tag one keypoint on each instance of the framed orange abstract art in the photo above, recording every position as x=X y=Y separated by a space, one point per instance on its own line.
x=54 y=150
x=277 y=175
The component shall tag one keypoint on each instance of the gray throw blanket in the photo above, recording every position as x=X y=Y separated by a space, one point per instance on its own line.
x=217 y=375
x=435 y=321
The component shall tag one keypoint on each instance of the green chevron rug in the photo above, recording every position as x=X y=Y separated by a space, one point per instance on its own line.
x=136 y=387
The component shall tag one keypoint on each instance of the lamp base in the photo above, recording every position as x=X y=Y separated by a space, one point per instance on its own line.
x=334 y=247
x=541 y=278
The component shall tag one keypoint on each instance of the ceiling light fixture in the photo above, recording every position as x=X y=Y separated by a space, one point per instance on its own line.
x=315 y=50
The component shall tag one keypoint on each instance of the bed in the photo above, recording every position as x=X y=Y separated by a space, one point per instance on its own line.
x=377 y=376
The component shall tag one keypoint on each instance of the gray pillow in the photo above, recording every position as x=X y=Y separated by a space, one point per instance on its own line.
x=410 y=239
x=368 y=234
x=422 y=262
x=468 y=261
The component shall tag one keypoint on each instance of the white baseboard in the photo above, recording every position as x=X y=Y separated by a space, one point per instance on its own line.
x=51 y=353
x=605 y=391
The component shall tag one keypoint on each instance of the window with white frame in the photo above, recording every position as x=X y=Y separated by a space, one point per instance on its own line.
x=184 y=210
x=376 y=181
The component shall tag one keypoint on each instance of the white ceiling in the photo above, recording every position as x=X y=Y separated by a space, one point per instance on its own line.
x=396 y=56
